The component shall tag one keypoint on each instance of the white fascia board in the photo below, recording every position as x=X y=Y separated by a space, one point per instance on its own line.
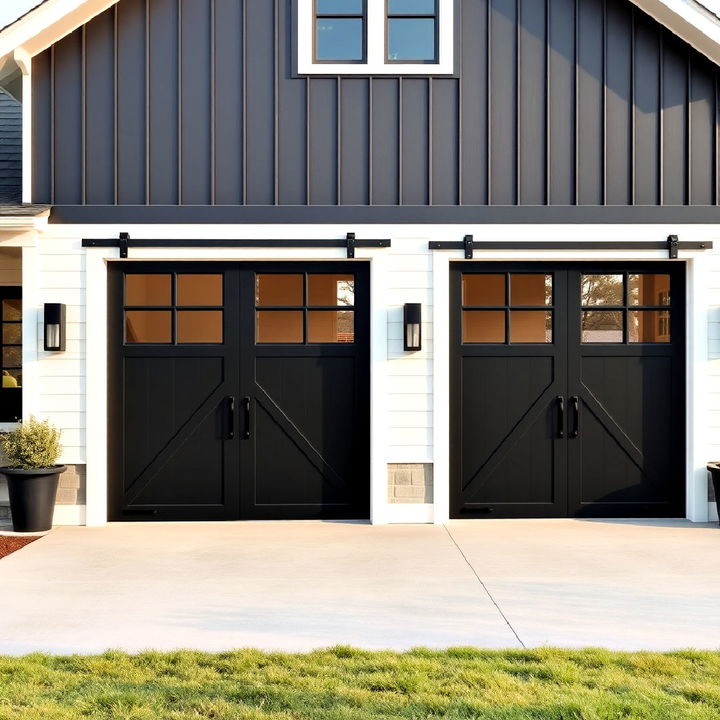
x=689 y=20
x=23 y=224
x=47 y=24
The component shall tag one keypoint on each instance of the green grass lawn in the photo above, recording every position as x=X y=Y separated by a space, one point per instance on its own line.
x=344 y=683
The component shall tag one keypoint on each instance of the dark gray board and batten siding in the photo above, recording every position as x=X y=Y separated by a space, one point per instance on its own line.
x=194 y=103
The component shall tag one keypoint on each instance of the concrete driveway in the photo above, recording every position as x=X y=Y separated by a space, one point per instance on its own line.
x=301 y=585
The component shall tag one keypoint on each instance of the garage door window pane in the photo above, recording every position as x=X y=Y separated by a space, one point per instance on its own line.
x=11 y=357
x=602 y=290
x=530 y=326
x=483 y=290
x=200 y=290
x=280 y=326
x=200 y=326
x=602 y=326
x=279 y=290
x=148 y=289
x=483 y=326
x=12 y=310
x=12 y=333
x=148 y=326
x=331 y=290
x=648 y=289
x=649 y=326
x=12 y=377
x=532 y=289
x=329 y=326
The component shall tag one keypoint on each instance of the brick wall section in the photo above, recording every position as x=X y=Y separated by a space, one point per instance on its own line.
x=71 y=489
x=410 y=483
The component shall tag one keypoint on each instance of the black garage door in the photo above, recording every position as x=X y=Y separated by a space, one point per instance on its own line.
x=567 y=390
x=238 y=391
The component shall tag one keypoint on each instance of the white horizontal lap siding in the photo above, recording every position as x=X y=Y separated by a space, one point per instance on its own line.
x=712 y=383
x=410 y=382
x=61 y=382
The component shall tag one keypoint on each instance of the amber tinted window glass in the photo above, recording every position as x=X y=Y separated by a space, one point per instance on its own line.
x=530 y=289
x=331 y=326
x=148 y=289
x=12 y=310
x=12 y=357
x=530 y=326
x=331 y=290
x=148 y=326
x=484 y=326
x=483 y=289
x=648 y=289
x=279 y=326
x=602 y=326
x=12 y=333
x=648 y=326
x=279 y=290
x=200 y=289
x=15 y=373
x=602 y=290
x=199 y=326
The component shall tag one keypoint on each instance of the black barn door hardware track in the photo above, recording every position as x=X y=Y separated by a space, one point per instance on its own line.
x=672 y=245
x=125 y=242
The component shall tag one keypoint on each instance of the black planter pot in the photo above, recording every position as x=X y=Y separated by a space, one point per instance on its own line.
x=714 y=470
x=32 y=497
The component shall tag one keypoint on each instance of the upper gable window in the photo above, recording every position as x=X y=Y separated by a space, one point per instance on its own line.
x=375 y=37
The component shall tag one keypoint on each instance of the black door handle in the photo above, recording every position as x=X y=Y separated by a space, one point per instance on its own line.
x=246 y=405
x=575 y=400
x=231 y=417
x=561 y=419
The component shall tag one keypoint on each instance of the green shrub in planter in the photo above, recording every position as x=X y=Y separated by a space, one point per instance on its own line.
x=34 y=444
x=31 y=451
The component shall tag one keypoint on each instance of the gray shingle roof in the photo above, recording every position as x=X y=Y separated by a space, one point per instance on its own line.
x=10 y=150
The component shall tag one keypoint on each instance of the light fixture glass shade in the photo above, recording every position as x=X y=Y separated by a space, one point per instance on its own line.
x=412 y=322
x=54 y=332
x=52 y=336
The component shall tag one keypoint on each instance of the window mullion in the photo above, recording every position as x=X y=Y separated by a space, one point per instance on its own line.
x=375 y=29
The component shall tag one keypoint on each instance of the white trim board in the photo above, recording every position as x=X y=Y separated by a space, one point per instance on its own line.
x=69 y=515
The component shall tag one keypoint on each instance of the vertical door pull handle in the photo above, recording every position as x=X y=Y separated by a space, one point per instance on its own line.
x=575 y=400
x=246 y=405
x=230 y=417
x=561 y=416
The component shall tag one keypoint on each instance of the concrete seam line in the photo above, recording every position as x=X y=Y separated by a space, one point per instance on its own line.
x=484 y=587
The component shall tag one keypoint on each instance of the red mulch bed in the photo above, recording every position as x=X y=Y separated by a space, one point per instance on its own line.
x=9 y=544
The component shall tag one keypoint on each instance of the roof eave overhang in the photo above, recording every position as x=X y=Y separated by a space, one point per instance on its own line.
x=41 y=27
x=689 y=20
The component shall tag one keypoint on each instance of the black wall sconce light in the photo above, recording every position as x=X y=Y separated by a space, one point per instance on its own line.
x=412 y=319
x=54 y=327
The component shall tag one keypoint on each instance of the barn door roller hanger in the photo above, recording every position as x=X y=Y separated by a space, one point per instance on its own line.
x=469 y=245
x=125 y=242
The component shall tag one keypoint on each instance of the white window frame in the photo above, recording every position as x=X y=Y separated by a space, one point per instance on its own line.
x=376 y=63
